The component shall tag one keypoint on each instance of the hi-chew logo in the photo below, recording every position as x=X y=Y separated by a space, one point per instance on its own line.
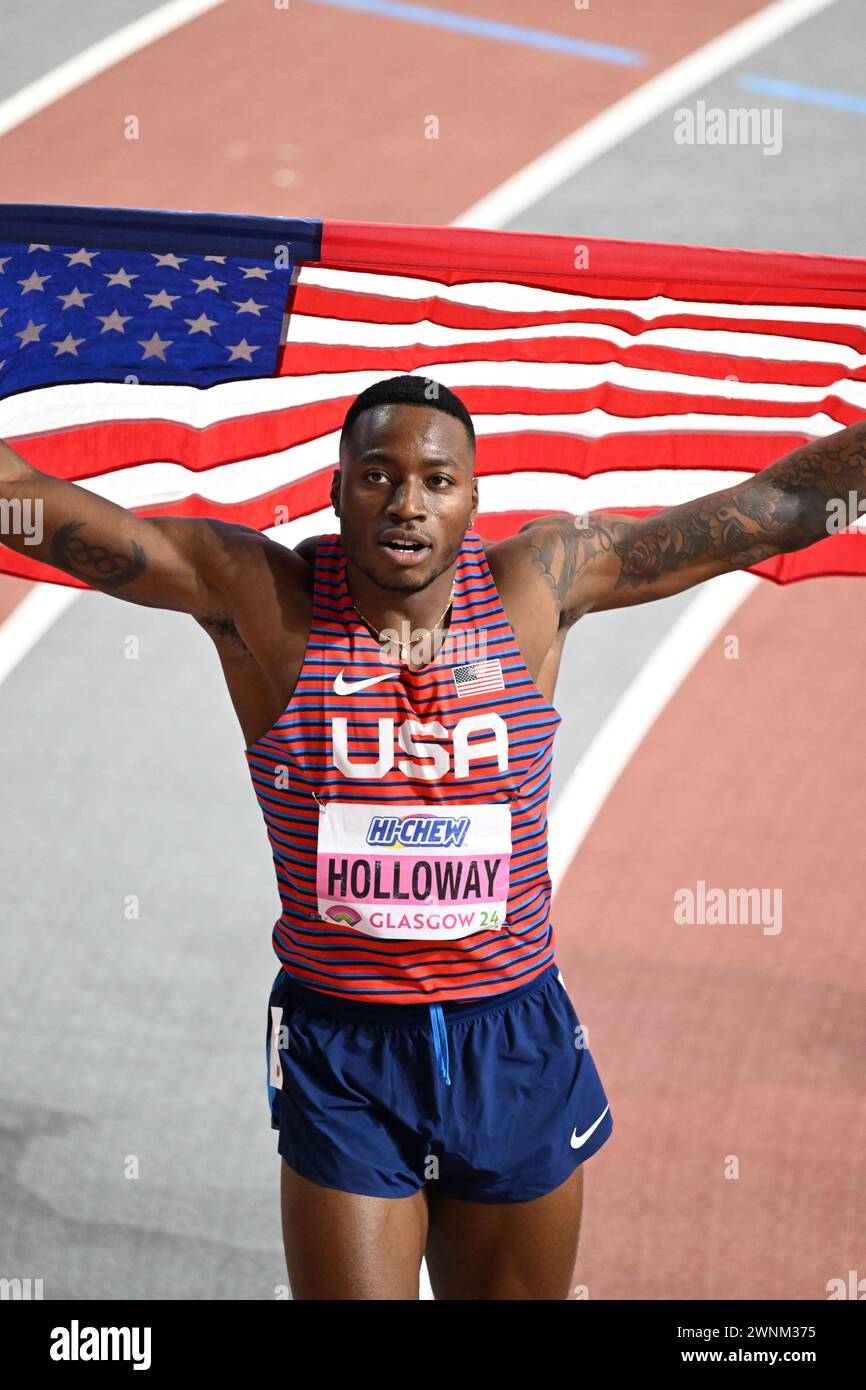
x=412 y=832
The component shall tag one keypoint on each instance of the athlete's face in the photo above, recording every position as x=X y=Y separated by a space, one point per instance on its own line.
x=406 y=473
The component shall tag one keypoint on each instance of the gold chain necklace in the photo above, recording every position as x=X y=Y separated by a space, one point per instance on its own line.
x=404 y=648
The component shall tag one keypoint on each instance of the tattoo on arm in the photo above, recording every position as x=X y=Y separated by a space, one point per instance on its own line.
x=555 y=557
x=96 y=564
x=738 y=528
x=782 y=508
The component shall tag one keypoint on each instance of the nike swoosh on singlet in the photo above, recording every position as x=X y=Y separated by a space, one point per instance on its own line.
x=342 y=687
x=577 y=1140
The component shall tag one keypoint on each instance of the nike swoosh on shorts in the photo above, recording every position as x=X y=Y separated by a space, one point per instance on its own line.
x=342 y=687
x=577 y=1140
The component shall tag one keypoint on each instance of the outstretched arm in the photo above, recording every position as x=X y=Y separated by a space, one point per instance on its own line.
x=191 y=565
x=608 y=561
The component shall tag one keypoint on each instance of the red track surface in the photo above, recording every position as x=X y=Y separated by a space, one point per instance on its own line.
x=711 y=1041
x=720 y=1040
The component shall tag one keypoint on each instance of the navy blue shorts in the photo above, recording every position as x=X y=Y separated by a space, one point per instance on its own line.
x=494 y=1100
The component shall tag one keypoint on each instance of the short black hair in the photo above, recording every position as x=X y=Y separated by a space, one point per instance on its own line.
x=409 y=390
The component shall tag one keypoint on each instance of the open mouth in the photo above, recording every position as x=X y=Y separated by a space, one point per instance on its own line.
x=406 y=552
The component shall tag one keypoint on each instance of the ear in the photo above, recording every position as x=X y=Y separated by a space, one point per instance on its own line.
x=474 y=512
x=335 y=491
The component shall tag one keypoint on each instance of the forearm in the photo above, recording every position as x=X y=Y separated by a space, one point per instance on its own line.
x=160 y=562
x=789 y=505
x=607 y=560
x=21 y=503
x=815 y=483
x=66 y=526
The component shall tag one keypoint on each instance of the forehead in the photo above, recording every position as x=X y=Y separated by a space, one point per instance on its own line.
x=409 y=432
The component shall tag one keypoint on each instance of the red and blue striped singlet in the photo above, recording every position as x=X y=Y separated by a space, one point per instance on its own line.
x=407 y=809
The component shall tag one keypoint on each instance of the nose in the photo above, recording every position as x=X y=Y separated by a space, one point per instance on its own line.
x=407 y=500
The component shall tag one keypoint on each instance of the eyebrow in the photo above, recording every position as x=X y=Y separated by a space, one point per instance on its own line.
x=388 y=457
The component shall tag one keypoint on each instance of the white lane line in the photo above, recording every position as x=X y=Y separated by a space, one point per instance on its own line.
x=633 y=111
x=26 y=624
x=636 y=711
x=96 y=59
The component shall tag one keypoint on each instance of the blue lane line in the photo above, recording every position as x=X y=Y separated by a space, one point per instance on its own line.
x=816 y=96
x=491 y=29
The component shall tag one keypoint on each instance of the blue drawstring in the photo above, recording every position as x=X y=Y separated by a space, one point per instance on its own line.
x=440 y=1040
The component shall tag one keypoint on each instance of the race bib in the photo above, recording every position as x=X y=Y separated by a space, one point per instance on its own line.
x=410 y=873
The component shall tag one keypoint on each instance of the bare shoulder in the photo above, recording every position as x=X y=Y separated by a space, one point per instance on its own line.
x=530 y=555
x=307 y=549
x=535 y=619
x=568 y=559
x=261 y=585
x=245 y=543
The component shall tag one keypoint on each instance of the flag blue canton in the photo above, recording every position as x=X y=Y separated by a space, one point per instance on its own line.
x=70 y=313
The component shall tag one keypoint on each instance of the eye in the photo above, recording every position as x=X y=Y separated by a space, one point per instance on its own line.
x=440 y=477
x=373 y=473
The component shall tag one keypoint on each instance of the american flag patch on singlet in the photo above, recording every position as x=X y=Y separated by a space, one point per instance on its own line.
x=477 y=677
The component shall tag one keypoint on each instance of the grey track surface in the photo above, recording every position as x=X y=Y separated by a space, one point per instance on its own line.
x=145 y=1037
x=38 y=35
x=811 y=196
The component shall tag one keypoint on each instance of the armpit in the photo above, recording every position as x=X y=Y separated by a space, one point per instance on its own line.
x=222 y=629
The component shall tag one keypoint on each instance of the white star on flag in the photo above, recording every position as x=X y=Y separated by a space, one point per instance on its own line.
x=30 y=334
x=155 y=347
x=161 y=300
x=74 y=299
x=33 y=282
x=114 y=320
x=249 y=306
x=120 y=277
x=243 y=349
x=68 y=344
x=209 y=283
x=202 y=324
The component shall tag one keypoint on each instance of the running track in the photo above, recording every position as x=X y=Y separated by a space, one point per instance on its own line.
x=122 y=777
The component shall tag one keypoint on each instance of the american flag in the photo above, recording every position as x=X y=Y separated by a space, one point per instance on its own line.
x=478 y=677
x=191 y=364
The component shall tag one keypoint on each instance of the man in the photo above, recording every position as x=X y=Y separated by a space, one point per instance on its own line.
x=394 y=686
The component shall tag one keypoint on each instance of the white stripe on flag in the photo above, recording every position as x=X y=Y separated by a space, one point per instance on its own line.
x=83 y=403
